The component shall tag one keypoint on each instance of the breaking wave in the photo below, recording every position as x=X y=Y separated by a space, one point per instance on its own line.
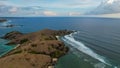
x=81 y=47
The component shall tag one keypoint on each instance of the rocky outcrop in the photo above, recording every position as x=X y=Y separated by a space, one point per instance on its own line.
x=12 y=35
x=42 y=43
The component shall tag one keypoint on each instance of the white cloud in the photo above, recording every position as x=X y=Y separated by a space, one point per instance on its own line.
x=74 y=13
x=49 y=13
x=1 y=3
x=37 y=13
x=36 y=7
x=107 y=7
x=110 y=1
x=114 y=15
x=13 y=10
x=40 y=7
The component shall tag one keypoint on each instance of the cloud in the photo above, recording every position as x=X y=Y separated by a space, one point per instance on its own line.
x=74 y=13
x=13 y=10
x=10 y=10
x=113 y=15
x=1 y=3
x=110 y=1
x=107 y=7
x=49 y=13
x=37 y=13
x=42 y=7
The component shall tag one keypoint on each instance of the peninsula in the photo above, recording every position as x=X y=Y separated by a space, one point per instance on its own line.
x=34 y=50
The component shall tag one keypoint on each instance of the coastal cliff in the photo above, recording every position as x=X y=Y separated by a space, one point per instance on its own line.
x=34 y=50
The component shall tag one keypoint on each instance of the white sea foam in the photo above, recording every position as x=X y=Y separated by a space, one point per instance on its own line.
x=81 y=47
x=99 y=65
x=57 y=37
x=6 y=23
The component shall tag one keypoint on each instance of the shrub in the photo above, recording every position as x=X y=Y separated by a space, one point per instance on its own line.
x=23 y=41
x=34 y=45
x=34 y=52
x=19 y=51
x=56 y=54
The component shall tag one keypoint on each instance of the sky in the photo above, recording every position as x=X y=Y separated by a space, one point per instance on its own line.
x=47 y=7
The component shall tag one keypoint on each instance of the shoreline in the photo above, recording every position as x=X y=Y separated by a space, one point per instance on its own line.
x=5 y=54
x=7 y=51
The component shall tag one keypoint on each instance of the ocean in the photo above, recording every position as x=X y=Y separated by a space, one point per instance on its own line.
x=95 y=44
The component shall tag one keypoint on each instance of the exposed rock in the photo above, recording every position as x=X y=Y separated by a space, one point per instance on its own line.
x=10 y=25
x=12 y=35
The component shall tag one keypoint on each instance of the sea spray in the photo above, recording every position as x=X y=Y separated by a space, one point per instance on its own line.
x=6 y=23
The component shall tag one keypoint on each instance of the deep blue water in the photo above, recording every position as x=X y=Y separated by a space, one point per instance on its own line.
x=95 y=44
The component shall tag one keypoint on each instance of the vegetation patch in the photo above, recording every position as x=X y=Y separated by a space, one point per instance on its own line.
x=56 y=54
x=23 y=41
x=34 y=52
x=17 y=52
x=34 y=45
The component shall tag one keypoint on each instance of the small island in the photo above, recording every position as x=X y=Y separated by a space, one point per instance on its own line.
x=3 y=20
x=11 y=25
x=34 y=50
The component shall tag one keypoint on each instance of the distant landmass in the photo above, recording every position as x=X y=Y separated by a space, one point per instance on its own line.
x=6 y=24
x=3 y=20
x=11 y=25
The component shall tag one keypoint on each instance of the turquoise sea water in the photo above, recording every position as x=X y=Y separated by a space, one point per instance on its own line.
x=96 y=44
x=65 y=62
x=5 y=48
